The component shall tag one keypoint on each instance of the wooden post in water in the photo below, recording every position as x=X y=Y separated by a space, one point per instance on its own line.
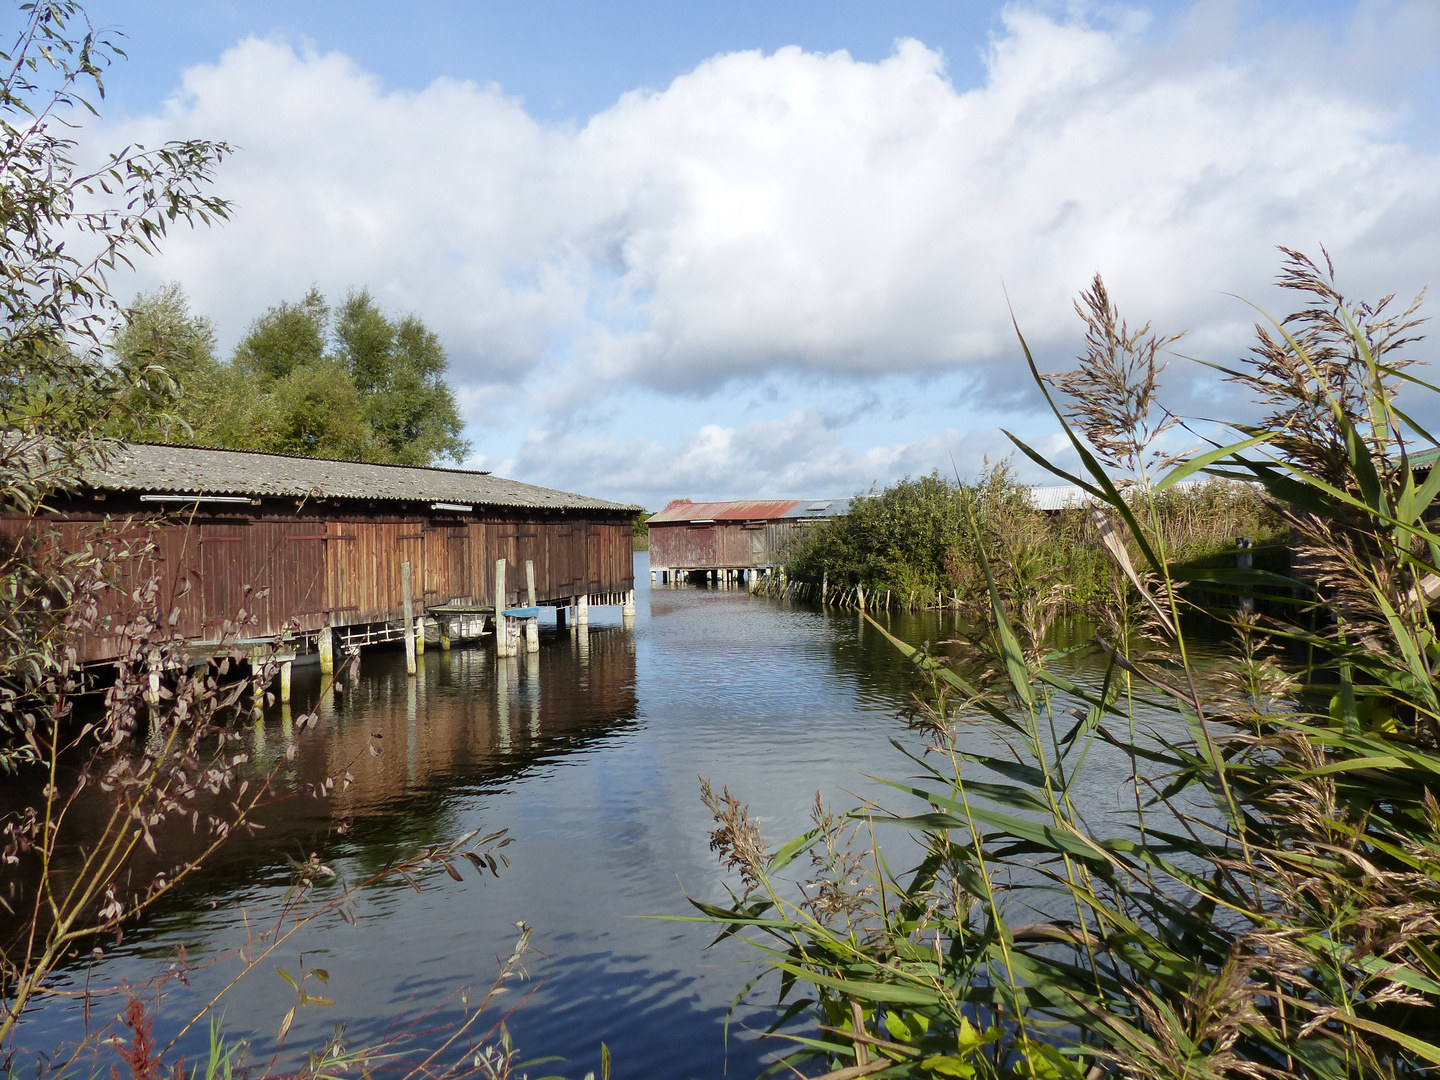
x=285 y=666
x=824 y=585
x=532 y=625
x=1245 y=560
x=582 y=610
x=502 y=628
x=325 y=645
x=419 y=635
x=627 y=608
x=444 y=635
x=407 y=600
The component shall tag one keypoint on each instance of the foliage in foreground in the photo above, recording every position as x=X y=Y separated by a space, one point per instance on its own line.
x=130 y=801
x=1269 y=906
x=912 y=544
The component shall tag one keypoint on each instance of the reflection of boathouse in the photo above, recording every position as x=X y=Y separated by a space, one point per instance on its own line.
x=722 y=539
x=317 y=554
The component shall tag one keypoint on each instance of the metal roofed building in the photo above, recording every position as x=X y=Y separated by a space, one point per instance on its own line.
x=726 y=540
x=314 y=551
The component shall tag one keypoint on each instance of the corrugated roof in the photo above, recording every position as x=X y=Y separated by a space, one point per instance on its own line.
x=681 y=511
x=820 y=508
x=194 y=470
x=1074 y=497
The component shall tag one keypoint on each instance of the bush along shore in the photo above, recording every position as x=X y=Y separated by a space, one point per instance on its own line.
x=911 y=546
x=1268 y=906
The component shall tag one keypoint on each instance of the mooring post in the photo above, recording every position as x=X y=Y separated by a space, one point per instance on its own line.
x=285 y=666
x=1245 y=560
x=627 y=609
x=420 y=635
x=582 y=610
x=326 y=647
x=406 y=599
x=532 y=624
x=502 y=624
x=444 y=635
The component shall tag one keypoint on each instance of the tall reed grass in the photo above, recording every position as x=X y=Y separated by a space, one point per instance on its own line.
x=911 y=546
x=1269 y=906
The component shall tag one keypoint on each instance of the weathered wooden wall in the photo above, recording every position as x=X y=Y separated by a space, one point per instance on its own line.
x=300 y=573
x=723 y=544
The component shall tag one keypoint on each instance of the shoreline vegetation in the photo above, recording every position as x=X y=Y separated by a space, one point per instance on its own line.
x=1264 y=899
x=911 y=546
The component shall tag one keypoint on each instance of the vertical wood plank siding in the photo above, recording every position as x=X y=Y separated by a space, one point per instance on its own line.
x=724 y=544
x=301 y=572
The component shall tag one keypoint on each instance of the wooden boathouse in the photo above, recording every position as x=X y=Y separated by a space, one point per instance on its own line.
x=725 y=541
x=312 y=556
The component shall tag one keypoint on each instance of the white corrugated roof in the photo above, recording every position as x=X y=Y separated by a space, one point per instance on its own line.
x=1074 y=497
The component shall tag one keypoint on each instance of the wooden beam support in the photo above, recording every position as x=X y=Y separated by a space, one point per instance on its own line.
x=408 y=600
x=502 y=624
x=532 y=625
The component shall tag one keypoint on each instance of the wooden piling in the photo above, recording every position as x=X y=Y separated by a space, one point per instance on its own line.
x=502 y=627
x=1245 y=560
x=627 y=609
x=420 y=635
x=285 y=666
x=582 y=610
x=532 y=625
x=444 y=635
x=407 y=599
x=326 y=647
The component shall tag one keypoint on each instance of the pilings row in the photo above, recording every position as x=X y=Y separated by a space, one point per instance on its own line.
x=721 y=575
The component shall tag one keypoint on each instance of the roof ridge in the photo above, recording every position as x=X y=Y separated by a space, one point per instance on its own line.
x=310 y=457
x=136 y=464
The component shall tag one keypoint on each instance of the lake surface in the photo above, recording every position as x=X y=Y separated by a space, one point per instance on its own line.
x=589 y=755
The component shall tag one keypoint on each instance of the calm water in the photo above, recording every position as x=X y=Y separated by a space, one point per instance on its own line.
x=589 y=754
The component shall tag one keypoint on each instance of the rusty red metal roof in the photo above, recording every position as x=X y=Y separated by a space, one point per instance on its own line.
x=742 y=510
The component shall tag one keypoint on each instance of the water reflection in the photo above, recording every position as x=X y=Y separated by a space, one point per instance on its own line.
x=588 y=752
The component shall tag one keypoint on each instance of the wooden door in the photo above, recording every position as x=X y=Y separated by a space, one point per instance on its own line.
x=224 y=574
x=458 y=547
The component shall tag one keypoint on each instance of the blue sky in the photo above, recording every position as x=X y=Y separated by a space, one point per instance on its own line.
x=764 y=249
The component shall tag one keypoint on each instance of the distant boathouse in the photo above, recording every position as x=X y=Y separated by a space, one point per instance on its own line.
x=730 y=541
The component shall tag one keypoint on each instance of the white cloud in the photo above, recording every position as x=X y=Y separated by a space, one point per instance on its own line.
x=794 y=212
x=796 y=456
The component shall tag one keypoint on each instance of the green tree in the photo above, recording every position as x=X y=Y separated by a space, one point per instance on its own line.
x=285 y=338
x=376 y=392
x=169 y=353
x=316 y=411
x=398 y=367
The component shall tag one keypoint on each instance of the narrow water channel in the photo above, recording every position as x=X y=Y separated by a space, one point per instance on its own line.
x=589 y=755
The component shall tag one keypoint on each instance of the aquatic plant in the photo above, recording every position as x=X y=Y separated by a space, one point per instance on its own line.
x=1270 y=904
x=911 y=545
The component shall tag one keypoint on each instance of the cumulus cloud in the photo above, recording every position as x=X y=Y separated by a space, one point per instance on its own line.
x=795 y=212
x=794 y=456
